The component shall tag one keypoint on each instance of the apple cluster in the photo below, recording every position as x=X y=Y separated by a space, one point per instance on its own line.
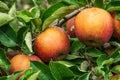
x=92 y=26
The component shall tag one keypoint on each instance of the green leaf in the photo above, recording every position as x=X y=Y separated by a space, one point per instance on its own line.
x=3 y=77
x=98 y=71
x=28 y=41
x=5 y=18
x=51 y=2
x=37 y=23
x=83 y=2
x=25 y=15
x=107 y=74
x=40 y=6
x=21 y=35
x=45 y=73
x=35 y=12
x=27 y=74
x=115 y=55
x=93 y=52
x=72 y=2
x=66 y=63
x=60 y=71
x=76 y=45
x=13 y=11
x=25 y=48
x=34 y=76
x=3 y=7
x=103 y=60
x=14 y=76
x=84 y=76
x=16 y=24
x=8 y=36
x=73 y=56
x=84 y=66
x=108 y=61
x=56 y=11
x=52 y=9
x=4 y=62
x=75 y=68
x=99 y=3
x=118 y=15
x=116 y=69
x=113 y=6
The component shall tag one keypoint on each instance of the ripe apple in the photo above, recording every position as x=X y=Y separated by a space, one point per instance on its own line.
x=35 y=58
x=115 y=77
x=116 y=32
x=19 y=62
x=70 y=27
x=53 y=44
x=94 y=26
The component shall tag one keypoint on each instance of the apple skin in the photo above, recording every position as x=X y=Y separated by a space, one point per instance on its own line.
x=19 y=62
x=70 y=27
x=115 y=77
x=35 y=58
x=94 y=26
x=52 y=44
x=116 y=32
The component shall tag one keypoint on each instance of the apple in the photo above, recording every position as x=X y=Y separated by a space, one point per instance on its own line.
x=35 y=58
x=94 y=26
x=19 y=62
x=115 y=77
x=52 y=44
x=116 y=32
x=70 y=27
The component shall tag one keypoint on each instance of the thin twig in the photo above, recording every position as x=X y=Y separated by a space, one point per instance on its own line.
x=69 y=16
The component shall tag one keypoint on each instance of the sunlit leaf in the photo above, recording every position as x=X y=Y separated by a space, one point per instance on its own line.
x=35 y=12
x=13 y=11
x=25 y=15
x=14 y=76
x=85 y=76
x=28 y=41
x=5 y=18
x=116 y=69
x=34 y=76
x=16 y=24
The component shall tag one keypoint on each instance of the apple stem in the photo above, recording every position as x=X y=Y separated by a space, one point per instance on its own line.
x=69 y=16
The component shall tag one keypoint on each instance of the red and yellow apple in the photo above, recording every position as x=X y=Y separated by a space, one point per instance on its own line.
x=19 y=62
x=94 y=26
x=35 y=58
x=116 y=32
x=52 y=44
x=70 y=27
